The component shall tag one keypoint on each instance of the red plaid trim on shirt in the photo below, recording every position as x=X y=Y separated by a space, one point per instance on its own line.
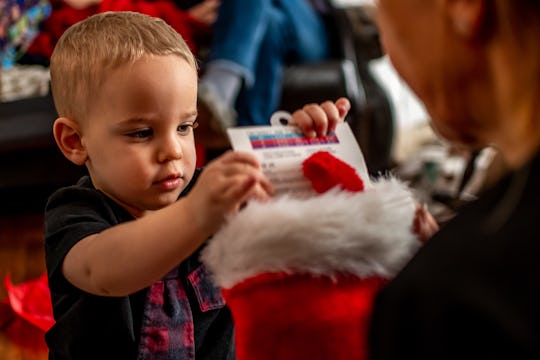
x=208 y=295
x=167 y=328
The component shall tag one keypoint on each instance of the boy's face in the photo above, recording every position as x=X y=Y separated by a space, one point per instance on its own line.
x=138 y=134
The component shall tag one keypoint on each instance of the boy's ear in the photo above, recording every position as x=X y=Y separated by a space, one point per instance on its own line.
x=68 y=138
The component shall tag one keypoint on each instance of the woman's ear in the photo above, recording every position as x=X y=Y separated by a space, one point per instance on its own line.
x=68 y=138
x=469 y=18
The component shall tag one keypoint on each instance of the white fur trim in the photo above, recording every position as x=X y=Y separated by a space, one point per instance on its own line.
x=366 y=233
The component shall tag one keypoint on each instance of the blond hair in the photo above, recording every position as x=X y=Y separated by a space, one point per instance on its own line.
x=90 y=49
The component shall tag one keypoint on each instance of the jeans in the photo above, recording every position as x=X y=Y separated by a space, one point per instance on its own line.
x=255 y=39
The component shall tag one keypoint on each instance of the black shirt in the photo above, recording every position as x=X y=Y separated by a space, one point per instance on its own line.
x=96 y=327
x=473 y=291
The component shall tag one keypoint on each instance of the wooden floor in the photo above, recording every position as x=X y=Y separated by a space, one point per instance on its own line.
x=21 y=256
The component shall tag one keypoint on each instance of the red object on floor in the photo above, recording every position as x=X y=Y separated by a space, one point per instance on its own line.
x=20 y=332
x=31 y=301
x=26 y=313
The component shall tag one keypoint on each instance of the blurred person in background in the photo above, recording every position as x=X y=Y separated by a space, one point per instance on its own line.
x=193 y=22
x=252 y=41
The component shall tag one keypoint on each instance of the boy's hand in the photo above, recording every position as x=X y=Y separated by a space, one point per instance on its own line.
x=205 y=11
x=319 y=120
x=226 y=184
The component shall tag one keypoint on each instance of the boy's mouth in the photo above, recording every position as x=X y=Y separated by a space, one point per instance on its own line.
x=171 y=182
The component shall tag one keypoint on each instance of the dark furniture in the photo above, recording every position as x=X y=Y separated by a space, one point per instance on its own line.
x=31 y=164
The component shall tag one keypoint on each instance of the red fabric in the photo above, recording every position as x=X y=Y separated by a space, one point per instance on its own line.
x=299 y=316
x=19 y=331
x=31 y=301
x=325 y=171
x=26 y=314
x=63 y=16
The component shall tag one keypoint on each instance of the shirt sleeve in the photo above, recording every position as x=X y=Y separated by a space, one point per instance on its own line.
x=72 y=214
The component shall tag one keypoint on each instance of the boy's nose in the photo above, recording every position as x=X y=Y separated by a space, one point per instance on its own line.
x=170 y=149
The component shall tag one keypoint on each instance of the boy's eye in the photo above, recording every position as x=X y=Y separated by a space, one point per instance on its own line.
x=141 y=134
x=185 y=128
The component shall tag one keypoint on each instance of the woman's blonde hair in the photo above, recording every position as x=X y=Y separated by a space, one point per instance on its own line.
x=90 y=49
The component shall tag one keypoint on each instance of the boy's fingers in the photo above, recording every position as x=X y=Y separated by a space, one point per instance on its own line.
x=304 y=122
x=332 y=114
x=245 y=189
x=319 y=118
x=343 y=105
x=314 y=120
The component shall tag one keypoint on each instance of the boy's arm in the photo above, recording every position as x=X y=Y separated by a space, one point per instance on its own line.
x=128 y=257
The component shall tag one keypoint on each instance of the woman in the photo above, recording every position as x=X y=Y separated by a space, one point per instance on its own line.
x=472 y=291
